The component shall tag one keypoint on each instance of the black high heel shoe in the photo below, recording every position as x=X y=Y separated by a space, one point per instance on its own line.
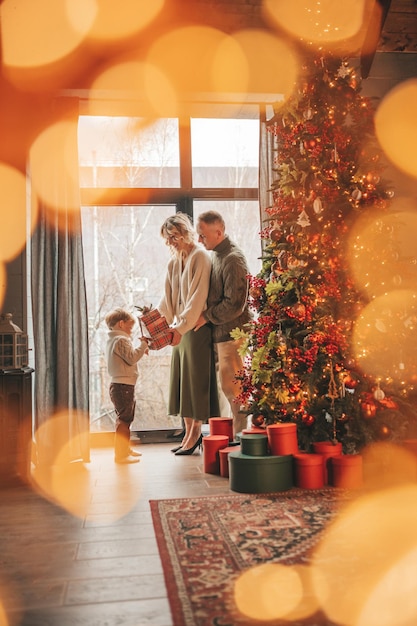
x=176 y=449
x=188 y=451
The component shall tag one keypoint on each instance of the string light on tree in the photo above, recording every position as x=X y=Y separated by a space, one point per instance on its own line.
x=300 y=363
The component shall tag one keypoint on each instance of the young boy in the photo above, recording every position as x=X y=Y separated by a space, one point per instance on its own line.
x=122 y=364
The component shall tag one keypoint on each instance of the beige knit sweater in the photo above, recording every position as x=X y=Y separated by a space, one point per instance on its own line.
x=186 y=289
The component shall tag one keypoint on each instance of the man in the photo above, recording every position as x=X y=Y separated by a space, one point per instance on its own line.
x=227 y=305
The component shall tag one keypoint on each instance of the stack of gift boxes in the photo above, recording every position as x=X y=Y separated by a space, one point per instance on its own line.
x=268 y=459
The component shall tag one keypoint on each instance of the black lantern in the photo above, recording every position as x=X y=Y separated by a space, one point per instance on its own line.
x=13 y=345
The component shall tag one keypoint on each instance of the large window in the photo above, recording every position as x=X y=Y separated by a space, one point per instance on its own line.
x=133 y=175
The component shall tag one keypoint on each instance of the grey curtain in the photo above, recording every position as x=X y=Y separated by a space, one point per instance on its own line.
x=60 y=323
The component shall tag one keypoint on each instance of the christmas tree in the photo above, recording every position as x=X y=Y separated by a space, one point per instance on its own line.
x=300 y=365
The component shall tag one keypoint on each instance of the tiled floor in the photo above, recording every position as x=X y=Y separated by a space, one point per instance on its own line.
x=93 y=559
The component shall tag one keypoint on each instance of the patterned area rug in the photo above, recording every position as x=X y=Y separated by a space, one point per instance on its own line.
x=206 y=543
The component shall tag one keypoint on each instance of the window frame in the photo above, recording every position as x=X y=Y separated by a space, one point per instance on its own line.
x=181 y=196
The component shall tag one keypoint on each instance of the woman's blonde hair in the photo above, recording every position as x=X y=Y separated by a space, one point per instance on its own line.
x=179 y=223
x=118 y=315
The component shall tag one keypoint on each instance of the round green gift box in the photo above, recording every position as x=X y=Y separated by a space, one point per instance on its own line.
x=254 y=445
x=260 y=474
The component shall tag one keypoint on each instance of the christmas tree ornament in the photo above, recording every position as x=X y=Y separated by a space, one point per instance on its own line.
x=379 y=394
x=275 y=234
x=257 y=420
x=302 y=364
x=368 y=409
x=303 y=219
x=308 y=114
x=350 y=382
x=317 y=206
x=380 y=326
x=307 y=419
x=343 y=70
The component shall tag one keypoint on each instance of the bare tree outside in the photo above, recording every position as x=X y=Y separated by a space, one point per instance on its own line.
x=125 y=256
x=125 y=259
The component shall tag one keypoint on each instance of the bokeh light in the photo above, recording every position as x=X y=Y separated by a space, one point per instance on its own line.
x=387 y=465
x=3 y=617
x=268 y=591
x=396 y=125
x=39 y=32
x=381 y=608
x=11 y=602
x=153 y=93
x=385 y=337
x=382 y=251
x=113 y=21
x=254 y=62
x=200 y=59
x=13 y=213
x=321 y=21
x=68 y=482
x=186 y=55
x=364 y=568
x=308 y=603
x=54 y=166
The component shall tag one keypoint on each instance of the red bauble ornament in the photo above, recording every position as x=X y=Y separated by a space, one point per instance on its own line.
x=389 y=403
x=307 y=419
x=255 y=293
x=257 y=420
x=299 y=310
x=368 y=409
x=350 y=383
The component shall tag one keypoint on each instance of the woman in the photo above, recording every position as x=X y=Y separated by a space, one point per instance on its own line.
x=193 y=387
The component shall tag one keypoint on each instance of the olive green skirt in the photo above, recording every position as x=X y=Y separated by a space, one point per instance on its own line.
x=193 y=385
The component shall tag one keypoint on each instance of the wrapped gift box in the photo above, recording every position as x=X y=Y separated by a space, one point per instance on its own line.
x=155 y=328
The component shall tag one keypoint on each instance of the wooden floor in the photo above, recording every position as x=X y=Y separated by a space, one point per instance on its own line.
x=92 y=560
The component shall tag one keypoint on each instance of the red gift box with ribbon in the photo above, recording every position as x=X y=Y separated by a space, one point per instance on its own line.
x=155 y=328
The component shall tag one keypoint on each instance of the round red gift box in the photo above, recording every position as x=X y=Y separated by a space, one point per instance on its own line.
x=308 y=469
x=212 y=444
x=347 y=471
x=328 y=449
x=221 y=426
x=282 y=439
x=224 y=459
